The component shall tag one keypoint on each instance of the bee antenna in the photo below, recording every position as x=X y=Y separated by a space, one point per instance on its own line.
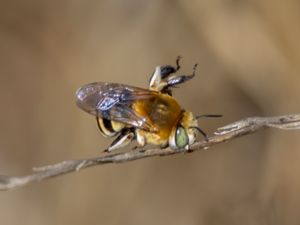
x=201 y=132
x=208 y=115
x=194 y=69
x=177 y=62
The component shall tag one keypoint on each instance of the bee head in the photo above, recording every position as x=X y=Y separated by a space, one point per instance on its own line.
x=182 y=136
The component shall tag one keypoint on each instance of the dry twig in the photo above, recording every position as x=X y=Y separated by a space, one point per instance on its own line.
x=226 y=133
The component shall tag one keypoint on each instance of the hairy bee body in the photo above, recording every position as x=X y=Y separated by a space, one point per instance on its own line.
x=149 y=116
x=163 y=111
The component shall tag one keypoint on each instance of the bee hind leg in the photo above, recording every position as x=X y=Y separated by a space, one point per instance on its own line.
x=121 y=141
x=157 y=80
x=168 y=70
x=175 y=80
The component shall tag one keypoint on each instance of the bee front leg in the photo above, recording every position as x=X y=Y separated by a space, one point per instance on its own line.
x=122 y=140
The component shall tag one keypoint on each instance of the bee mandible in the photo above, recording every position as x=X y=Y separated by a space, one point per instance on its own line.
x=149 y=116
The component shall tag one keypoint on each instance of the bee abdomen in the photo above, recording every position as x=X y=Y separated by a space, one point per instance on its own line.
x=109 y=128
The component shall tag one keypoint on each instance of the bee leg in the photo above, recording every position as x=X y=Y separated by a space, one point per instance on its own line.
x=162 y=72
x=140 y=138
x=163 y=146
x=175 y=80
x=188 y=150
x=201 y=132
x=139 y=148
x=122 y=140
x=167 y=70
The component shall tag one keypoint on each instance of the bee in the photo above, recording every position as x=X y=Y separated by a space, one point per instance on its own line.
x=149 y=116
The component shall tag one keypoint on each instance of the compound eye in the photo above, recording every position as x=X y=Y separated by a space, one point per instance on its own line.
x=181 y=137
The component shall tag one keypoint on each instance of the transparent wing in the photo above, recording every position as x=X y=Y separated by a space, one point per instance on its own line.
x=113 y=101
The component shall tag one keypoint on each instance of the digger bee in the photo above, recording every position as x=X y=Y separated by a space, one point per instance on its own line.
x=149 y=116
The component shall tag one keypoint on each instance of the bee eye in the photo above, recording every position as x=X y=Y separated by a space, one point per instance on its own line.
x=181 y=137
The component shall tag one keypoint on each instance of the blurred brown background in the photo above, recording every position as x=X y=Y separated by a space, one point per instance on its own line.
x=249 y=63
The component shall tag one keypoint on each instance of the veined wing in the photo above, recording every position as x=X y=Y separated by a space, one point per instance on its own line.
x=113 y=101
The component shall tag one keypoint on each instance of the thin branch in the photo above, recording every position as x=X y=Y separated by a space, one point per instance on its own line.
x=226 y=133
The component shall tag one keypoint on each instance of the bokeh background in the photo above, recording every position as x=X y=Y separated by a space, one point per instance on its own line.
x=249 y=62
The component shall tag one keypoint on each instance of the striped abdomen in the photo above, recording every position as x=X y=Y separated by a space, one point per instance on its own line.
x=109 y=128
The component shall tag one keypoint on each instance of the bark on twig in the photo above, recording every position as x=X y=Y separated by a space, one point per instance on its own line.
x=226 y=133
